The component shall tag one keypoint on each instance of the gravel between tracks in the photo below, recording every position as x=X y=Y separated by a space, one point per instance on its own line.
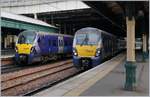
x=24 y=81
x=9 y=76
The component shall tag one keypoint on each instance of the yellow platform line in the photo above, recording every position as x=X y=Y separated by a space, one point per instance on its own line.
x=80 y=89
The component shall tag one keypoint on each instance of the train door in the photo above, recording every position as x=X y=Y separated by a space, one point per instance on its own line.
x=103 y=46
x=60 y=44
x=43 y=45
x=53 y=45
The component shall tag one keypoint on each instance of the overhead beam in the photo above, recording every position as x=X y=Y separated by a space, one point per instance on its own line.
x=107 y=18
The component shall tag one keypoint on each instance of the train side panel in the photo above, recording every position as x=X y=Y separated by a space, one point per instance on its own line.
x=68 y=44
x=53 y=45
x=85 y=53
x=45 y=47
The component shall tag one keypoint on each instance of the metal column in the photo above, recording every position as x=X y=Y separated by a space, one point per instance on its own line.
x=144 y=46
x=130 y=66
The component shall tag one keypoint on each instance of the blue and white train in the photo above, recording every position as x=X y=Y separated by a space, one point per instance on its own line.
x=33 y=46
x=91 y=46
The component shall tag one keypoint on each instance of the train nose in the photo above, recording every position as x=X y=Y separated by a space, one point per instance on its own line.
x=23 y=58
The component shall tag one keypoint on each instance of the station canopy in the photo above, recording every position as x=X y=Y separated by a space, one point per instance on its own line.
x=39 y=6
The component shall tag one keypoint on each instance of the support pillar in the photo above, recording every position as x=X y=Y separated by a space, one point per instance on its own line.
x=130 y=66
x=144 y=46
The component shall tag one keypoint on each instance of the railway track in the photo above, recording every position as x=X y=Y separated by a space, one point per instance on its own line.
x=29 y=80
x=10 y=68
x=7 y=68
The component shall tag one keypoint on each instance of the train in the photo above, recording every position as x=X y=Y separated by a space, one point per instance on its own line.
x=36 y=46
x=91 y=46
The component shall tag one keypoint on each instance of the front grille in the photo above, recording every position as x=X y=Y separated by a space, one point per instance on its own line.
x=23 y=58
x=86 y=61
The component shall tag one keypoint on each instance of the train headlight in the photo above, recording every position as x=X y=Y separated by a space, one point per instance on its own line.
x=32 y=50
x=75 y=52
x=16 y=49
x=98 y=51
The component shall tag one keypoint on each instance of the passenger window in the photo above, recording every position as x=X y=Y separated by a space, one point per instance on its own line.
x=50 y=42
x=69 y=43
x=54 y=42
x=65 y=42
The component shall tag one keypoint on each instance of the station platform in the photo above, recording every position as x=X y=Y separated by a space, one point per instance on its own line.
x=106 y=79
x=7 y=54
x=7 y=57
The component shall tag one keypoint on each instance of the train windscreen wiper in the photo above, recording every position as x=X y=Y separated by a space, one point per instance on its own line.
x=85 y=40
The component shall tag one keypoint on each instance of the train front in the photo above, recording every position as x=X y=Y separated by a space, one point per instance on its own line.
x=87 y=48
x=24 y=47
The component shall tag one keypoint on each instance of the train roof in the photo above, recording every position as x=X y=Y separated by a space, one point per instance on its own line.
x=47 y=33
x=24 y=19
x=96 y=29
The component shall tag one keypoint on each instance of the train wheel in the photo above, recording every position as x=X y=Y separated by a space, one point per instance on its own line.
x=55 y=57
x=16 y=63
x=62 y=56
x=42 y=59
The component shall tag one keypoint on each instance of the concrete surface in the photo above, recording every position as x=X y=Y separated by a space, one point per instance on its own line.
x=78 y=84
x=6 y=56
x=113 y=83
x=107 y=79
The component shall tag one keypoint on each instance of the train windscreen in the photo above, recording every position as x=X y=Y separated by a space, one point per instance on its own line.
x=26 y=37
x=87 y=38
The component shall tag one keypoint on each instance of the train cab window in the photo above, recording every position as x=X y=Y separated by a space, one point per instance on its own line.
x=21 y=39
x=26 y=37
